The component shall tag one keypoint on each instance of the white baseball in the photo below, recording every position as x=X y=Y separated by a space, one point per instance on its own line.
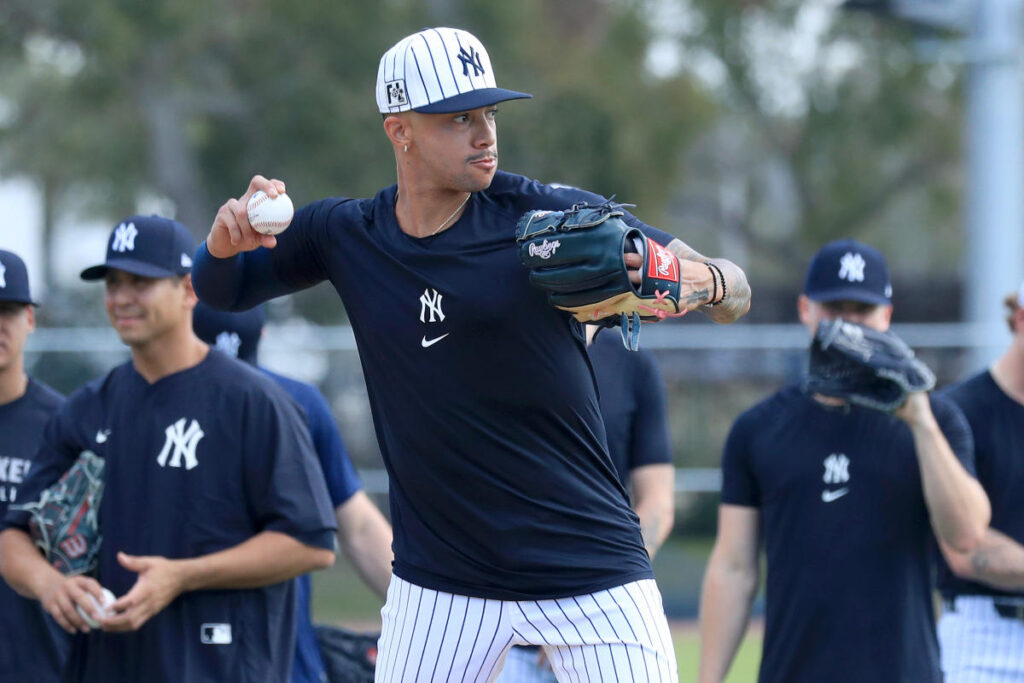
x=269 y=216
x=108 y=600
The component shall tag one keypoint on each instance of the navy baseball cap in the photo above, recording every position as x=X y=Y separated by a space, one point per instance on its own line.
x=150 y=246
x=14 y=279
x=236 y=334
x=847 y=270
x=438 y=71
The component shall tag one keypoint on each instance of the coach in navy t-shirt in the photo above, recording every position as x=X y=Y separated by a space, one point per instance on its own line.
x=32 y=646
x=363 y=533
x=212 y=494
x=981 y=633
x=483 y=400
x=845 y=500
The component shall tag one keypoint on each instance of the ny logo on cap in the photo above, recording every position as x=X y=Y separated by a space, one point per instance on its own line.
x=229 y=343
x=396 y=93
x=124 y=237
x=3 y=279
x=470 y=59
x=851 y=267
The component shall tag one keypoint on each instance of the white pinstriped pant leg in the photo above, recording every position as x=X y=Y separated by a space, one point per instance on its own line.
x=614 y=635
x=979 y=646
x=429 y=635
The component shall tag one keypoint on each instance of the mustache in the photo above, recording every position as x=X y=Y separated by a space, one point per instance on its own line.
x=482 y=156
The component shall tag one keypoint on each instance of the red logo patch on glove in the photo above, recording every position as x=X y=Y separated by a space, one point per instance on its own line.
x=664 y=265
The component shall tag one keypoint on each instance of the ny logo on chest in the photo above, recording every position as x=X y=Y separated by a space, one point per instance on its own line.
x=180 y=445
x=431 y=312
x=837 y=471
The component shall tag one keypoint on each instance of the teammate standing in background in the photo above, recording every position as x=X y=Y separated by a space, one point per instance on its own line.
x=510 y=524
x=212 y=495
x=846 y=500
x=633 y=408
x=32 y=646
x=363 y=533
x=981 y=633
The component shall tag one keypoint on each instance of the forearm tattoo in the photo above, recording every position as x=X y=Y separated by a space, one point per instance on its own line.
x=737 y=301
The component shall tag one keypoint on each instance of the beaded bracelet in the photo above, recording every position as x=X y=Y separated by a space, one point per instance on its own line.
x=714 y=285
x=714 y=269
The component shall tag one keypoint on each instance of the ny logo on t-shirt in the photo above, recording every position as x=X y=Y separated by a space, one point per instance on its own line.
x=431 y=301
x=837 y=469
x=180 y=443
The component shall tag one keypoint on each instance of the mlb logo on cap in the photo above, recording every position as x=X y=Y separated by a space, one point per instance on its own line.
x=438 y=71
x=847 y=270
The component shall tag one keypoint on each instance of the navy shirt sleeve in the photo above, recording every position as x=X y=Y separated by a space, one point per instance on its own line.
x=739 y=481
x=280 y=485
x=957 y=431
x=341 y=477
x=651 y=443
x=296 y=263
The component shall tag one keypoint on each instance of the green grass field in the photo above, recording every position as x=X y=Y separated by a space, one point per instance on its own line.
x=339 y=597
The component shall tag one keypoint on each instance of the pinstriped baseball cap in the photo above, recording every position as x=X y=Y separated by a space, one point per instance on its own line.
x=438 y=71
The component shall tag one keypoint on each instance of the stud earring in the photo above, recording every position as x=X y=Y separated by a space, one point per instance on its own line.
x=406 y=149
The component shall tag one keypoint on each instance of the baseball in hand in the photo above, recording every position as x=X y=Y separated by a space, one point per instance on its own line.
x=108 y=600
x=269 y=216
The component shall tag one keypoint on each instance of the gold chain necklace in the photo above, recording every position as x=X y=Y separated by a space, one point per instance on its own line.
x=444 y=223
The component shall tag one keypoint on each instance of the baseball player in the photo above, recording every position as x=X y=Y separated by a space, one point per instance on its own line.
x=633 y=407
x=212 y=495
x=981 y=633
x=846 y=500
x=32 y=646
x=363 y=533
x=477 y=386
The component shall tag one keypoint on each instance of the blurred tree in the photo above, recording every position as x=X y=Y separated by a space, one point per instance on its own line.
x=830 y=126
x=113 y=100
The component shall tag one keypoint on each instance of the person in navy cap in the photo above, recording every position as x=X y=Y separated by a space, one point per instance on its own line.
x=364 y=535
x=846 y=501
x=981 y=632
x=212 y=496
x=32 y=646
x=511 y=525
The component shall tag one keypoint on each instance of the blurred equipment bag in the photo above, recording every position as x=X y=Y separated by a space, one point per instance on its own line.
x=64 y=523
x=576 y=256
x=349 y=656
x=870 y=368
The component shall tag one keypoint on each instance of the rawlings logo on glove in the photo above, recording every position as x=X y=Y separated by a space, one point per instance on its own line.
x=584 y=271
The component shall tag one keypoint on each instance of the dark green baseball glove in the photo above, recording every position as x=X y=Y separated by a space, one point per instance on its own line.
x=576 y=256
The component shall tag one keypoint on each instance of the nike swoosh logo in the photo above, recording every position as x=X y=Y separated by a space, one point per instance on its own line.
x=101 y=436
x=828 y=496
x=427 y=343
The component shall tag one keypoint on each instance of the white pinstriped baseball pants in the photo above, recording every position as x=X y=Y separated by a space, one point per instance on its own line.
x=979 y=646
x=614 y=635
